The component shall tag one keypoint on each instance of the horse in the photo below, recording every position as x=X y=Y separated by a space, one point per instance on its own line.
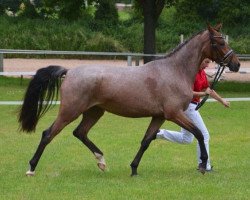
x=160 y=89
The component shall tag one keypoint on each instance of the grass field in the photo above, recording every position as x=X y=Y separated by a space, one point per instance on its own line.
x=67 y=170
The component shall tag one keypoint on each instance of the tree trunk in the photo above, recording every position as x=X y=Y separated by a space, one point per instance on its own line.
x=150 y=19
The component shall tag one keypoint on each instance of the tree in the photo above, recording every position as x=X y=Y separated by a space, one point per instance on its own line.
x=151 y=10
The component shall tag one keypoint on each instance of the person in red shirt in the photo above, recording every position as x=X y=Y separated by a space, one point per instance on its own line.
x=200 y=88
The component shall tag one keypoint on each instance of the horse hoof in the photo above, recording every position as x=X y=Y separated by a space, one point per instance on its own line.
x=134 y=175
x=30 y=173
x=202 y=169
x=101 y=166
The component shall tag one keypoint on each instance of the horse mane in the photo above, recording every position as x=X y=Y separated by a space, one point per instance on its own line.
x=176 y=49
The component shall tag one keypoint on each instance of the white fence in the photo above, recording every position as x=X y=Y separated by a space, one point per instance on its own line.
x=130 y=56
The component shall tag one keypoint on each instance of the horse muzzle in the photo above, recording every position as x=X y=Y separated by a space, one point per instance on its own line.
x=233 y=66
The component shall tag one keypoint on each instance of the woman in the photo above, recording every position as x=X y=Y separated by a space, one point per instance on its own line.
x=200 y=89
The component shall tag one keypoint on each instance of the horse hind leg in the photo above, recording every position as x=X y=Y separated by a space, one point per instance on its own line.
x=150 y=134
x=90 y=117
x=47 y=137
x=66 y=115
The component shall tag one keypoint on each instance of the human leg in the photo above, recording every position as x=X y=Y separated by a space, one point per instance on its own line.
x=182 y=137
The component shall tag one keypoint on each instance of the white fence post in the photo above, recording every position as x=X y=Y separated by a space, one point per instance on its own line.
x=137 y=61
x=129 y=59
x=1 y=62
x=181 y=38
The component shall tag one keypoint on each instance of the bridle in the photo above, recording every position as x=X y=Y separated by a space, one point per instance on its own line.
x=221 y=68
x=215 y=47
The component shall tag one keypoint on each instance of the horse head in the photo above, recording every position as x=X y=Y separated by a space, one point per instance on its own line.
x=219 y=51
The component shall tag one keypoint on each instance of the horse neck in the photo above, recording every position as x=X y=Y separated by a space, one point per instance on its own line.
x=189 y=57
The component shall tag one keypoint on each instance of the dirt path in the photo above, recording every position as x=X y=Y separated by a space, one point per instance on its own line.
x=26 y=65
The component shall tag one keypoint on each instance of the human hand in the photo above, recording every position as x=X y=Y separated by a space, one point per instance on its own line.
x=226 y=103
x=208 y=91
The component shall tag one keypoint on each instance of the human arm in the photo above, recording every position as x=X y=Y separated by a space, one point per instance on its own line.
x=199 y=94
x=217 y=97
x=213 y=94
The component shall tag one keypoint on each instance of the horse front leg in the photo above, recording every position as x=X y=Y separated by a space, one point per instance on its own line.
x=150 y=134
x=182 y=120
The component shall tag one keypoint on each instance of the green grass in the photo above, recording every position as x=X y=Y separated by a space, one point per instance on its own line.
x=12 y=89
x=67 y=169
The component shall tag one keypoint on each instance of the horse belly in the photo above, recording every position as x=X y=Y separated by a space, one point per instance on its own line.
x=134 y=111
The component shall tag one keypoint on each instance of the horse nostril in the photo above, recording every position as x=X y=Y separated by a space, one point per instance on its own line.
x=239 y=65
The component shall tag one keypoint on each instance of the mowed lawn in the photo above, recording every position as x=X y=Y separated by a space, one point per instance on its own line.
x=67 y=169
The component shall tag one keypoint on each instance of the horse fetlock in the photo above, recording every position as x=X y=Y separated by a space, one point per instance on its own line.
x=134 y=170
x=100 y=161
x=32 y=165
x=30 y=173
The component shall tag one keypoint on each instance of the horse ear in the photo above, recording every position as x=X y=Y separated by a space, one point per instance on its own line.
x=218 y=27
x=209 y=27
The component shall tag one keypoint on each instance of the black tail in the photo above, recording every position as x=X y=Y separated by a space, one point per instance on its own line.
x=39 y=95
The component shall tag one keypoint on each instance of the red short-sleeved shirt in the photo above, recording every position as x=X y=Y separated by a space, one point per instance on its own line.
x=200 y=84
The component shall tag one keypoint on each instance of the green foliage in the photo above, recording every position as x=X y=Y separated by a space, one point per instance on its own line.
x=206 y=10
x=106 y=12
x=227 y=11
x=124 y=1
x=70 y=10
x=99 y=42
x=127 y=35
x=234 y=12
x=29 y=10
x=10 y=5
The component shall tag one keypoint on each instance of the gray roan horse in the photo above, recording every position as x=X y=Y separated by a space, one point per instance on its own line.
x=161 y=89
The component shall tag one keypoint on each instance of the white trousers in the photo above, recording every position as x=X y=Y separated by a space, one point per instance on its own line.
x=185 y=137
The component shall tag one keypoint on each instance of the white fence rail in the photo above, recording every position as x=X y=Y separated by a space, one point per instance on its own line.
x=129 y=55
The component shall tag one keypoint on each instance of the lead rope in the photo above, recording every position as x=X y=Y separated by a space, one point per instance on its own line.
x=216 y=78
